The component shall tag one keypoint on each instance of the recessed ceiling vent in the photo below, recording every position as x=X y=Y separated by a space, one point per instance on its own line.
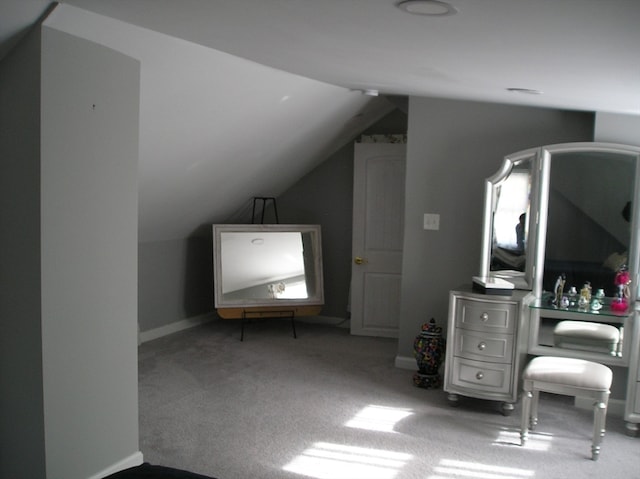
x=430 y=8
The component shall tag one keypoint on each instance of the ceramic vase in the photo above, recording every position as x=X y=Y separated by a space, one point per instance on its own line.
x=428 y=349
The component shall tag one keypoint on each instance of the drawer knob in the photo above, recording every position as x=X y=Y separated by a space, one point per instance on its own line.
x=484 y=316
x=482 y=346
x=479 y=375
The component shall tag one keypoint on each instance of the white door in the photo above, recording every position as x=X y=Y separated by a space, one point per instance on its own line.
x=378 y=225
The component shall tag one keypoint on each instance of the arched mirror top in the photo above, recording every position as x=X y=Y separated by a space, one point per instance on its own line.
x=552 y=210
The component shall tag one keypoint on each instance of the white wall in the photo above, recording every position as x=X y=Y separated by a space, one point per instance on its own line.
x=89 y=221
x=452 y=147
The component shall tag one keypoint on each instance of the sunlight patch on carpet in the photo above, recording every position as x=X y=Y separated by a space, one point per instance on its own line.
x=536 y=441
x=335 y=461
x=450 y=469
x=378 y=418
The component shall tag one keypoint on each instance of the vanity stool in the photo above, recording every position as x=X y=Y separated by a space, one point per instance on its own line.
x=570 y=377
x=586 y=335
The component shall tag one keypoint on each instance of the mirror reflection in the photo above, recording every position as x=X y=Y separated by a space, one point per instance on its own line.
x=267 y=265
x=510 y=230
x=588 y=228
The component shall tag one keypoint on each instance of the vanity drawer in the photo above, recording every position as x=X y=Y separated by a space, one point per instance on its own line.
x=481 y=376
x=486 y=316
x=484 y=346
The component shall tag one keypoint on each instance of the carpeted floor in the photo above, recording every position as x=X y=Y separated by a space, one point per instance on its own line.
x=329 y=405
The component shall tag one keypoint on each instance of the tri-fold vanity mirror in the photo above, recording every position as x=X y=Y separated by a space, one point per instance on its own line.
x=561 y=226
x=267 y=270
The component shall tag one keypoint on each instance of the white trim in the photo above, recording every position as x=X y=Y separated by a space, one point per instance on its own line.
x=151 y=334
x=133 y=460
x=171 y=328
x=328 y=320
x=406 y=362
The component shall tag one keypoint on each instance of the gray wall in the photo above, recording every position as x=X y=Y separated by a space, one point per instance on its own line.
x=453 y=146
x=175 y=280
x=617 y=128
x=69 y=256
x=176 y=276
x=325 y=197
x=22 y=452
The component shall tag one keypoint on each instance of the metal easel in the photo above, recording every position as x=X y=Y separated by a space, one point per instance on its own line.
x=247 y=316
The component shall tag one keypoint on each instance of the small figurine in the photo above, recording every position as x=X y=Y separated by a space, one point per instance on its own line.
x=573 y=293
x=564 y=302
x=596 y=305
x=622 y=281
x=558 y=289
x=583 y=303
x=585 y=292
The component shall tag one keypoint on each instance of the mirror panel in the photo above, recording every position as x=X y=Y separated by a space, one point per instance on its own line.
x=588 y=233
x=587 y=229
x=267 y=265
x=508 y=235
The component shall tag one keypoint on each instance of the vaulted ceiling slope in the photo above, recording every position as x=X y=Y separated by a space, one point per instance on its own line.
x=233 y=91
x=216 y=129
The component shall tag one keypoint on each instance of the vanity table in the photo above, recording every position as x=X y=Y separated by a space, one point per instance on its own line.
x=554 y=217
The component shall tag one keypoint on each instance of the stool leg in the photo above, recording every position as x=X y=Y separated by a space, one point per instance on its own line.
x=524 y=420
x=534 y=409
x=599 y=419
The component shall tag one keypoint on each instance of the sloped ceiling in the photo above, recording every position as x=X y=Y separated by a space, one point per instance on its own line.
x=215 y=129
x=216 y=126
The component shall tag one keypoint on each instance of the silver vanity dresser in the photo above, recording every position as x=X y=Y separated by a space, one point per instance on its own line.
x=554 y=217
x=485 y=353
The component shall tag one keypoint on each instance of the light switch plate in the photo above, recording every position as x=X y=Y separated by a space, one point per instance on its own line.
x=431 y=221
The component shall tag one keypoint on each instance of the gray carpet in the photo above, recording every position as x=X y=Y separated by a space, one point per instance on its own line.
x=330 y=405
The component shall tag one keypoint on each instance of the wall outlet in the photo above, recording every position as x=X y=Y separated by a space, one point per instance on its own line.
x=431 y=221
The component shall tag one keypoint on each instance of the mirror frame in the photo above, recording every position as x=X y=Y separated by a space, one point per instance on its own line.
x=546 y=156
x=267 y=304
x=524 y=280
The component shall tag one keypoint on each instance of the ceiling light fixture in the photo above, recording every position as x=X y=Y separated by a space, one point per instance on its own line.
x=526 y=91
x=430 y=8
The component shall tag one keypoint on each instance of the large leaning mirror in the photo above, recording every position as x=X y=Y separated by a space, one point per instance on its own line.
x=508 y=232
x=267 y=267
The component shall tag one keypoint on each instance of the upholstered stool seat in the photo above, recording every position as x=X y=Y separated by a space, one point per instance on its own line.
x=587 y=336
x=570 y=377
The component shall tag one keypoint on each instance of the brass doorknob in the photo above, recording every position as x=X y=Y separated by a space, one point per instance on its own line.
x=359 y=260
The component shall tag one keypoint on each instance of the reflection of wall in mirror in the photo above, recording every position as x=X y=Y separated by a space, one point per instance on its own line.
x=251 y=261
x=512 y=202
x=585 y=223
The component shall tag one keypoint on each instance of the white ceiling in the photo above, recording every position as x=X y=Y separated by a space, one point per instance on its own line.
x=583 y=54
x=227 y=85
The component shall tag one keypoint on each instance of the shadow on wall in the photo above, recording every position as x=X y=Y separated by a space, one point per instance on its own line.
x=198 y=274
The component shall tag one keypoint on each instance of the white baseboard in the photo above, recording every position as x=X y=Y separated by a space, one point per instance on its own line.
x=406 y=362
x=151 y=334
x=133 y=460
x=171 y=328
x=329 y=320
